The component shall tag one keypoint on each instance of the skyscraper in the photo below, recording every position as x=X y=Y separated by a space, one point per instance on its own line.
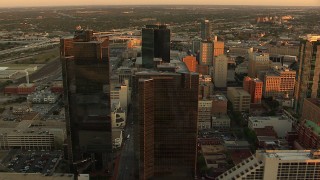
x=85 y=68
x=220 y=71
x=206 y=53
x=205 y=30
x=167 y=124
x=155 y=44
x=308 y=85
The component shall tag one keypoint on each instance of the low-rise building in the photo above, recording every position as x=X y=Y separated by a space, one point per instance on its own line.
x=117 y=137
x=221 y=121
x=281 y=124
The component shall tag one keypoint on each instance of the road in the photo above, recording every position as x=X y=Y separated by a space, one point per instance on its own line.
x=126 y=166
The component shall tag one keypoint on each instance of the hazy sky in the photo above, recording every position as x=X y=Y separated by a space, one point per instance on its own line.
x=13 y=3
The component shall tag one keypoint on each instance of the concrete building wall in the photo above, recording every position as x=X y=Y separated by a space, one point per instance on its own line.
x=220 y=71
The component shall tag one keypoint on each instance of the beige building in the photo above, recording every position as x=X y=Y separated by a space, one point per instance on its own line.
x=258 y=62
x=32 y=134
x=118 y=117
x=278 y=81
x=206 y=53
x=220 y=71
x=239 y=98
x=204 y=114
x=117 y=137
x=221 y=121
x=275 y=165
x=121 y=94
x=240 y=51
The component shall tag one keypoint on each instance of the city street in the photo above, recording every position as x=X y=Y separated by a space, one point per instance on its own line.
x=126 y=166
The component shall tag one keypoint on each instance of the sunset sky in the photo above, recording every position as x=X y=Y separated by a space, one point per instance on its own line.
x=17 y=3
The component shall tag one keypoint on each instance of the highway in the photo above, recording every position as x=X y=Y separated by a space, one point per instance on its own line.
x=126 y=166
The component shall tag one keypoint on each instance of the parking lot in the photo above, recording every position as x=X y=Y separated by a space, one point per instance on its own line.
x=30 y=161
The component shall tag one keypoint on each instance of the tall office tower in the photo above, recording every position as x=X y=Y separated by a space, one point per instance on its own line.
x=167 y=124
x=191 y=63
x=205 y=30
x=206 y=53
x=308 y=85
x=196 y=45
x=204 y=113
x=220 y=71
x=258 y=62
x=218 y=48
x=277 y=164
x=155 y=44
x=254 y=88
x=85 y=69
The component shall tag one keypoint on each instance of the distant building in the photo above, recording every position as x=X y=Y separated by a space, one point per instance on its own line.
x=206 y=53
x=308 y=85
x=276 y=164
x=191 y=63
x=203 y=69
x=43 y=97
x=155 y=44
x=121 y=94
x=117 y=137
x=196 y=45
x=281 y=124
x=118 y=117
x=204 y=114
x=239 y=98
x=240 y=51
x=221 y=121
x=22 y=89
x=205 y=30
x=311 y=110
x=254 y=88
x=220 y=71
x=258 y=62
x=219 y=104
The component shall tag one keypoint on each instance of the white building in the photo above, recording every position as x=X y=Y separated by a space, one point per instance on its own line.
x=204 y=114
x=117 y=137
x=121 y=94
x=43 y=97
x=276 y=165
x=118 y=117
x=281 y=124
x=206 y=53
x=220 y=71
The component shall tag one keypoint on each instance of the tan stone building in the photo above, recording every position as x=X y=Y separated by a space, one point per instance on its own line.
x=239 y=98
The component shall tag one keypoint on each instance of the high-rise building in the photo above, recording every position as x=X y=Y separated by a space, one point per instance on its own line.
x=254 y=88
x=206 y=53
x=155 y=44
x=85 y=69
x=220 y=71
x=205 y=30
x=277 y=164
x=258 y=62
x=191 y=63
x=167 y=112
x=204 y=113
x=196 y=45
x=311 y=110
x=308 y=85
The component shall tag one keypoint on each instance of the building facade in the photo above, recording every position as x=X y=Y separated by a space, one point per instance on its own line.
x=155 y=44
x=85 y=70
x=205 y=30
x=258 y=62
x=206 y=53
x=254 y=88
x=311 y=110
x=220 y=71
x=191 y=63
x=308 y=85
x=239 y=98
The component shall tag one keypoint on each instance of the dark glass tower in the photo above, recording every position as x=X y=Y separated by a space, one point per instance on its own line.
x=308 y=85
x=205 y=30
x=155 y=44
x=85 y=63
x=166 y=124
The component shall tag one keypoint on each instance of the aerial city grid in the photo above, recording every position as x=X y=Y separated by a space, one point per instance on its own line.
x=160 y=92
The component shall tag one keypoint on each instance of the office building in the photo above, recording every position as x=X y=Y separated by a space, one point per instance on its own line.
x=311 y=110
x=155 y=44
x=277 y=164
x=196 y=45
x=254 y=88
x=167 y=115
x=239 y=98
x=85 y=70
x=220 y=71
x=278 y=81
x=308 y=85
x=191 y=63
x=219 y=104
x=205 y=30
x=204 y=114
x=258 y=62
x=308 y=134
x=218 y=48
x=206 y=53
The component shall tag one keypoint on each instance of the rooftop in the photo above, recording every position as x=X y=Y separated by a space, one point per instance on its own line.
x=314 y=126
x=289 y=154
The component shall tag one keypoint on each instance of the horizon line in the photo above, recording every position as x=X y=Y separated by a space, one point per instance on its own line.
x=91 y=5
